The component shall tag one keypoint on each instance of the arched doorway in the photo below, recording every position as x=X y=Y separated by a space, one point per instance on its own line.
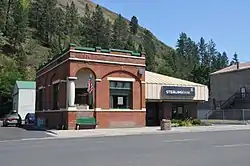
x=84 y=88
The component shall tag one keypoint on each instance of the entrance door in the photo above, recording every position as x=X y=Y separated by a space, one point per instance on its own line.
x=178 y=112
x=152 y=114
x=55 y=96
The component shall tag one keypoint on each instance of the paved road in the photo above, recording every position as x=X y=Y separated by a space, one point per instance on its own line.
x=15 y=133
x=229 y=148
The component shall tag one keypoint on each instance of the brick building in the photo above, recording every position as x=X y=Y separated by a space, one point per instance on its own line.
x=112 y=86
x=118 y=78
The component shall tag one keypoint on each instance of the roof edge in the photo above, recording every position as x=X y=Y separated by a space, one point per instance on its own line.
x=236 y=70
x=194 y=83
x=88 y=49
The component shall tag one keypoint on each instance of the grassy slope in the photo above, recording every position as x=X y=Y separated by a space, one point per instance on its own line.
x=80 y=4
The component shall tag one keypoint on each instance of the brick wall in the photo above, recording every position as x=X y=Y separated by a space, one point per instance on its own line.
x=103 y=71
x=118 y=119
x=59 y=73
x=105 y=119
x=66 y=118
x=53 y=118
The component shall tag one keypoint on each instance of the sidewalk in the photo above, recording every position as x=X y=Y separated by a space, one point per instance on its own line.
x=140 y=131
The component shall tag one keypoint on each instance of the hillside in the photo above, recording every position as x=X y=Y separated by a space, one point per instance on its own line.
x=32 y=33
x=80 y=4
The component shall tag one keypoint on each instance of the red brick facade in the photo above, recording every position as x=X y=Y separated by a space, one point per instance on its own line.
x=103 y=65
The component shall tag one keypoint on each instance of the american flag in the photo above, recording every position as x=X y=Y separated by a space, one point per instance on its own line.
x=90 y=85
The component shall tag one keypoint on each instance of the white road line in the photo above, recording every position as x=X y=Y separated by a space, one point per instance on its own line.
x=51 y=134
x=181 y=140
x=232 y=145
x=27 y=139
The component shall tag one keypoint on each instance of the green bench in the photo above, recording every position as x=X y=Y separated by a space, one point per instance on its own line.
x=85 y=122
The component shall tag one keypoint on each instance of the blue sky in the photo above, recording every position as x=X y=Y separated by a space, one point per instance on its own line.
x=227 y=22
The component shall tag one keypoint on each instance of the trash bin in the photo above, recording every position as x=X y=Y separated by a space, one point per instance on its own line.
x=165 y=124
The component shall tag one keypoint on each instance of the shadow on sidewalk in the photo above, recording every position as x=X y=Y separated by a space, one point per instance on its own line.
x=36 y=128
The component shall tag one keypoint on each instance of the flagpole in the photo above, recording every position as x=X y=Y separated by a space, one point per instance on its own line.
x=90 y=91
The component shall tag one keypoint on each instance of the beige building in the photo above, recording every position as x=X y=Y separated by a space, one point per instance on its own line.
x=230 y=86
x=171 y=98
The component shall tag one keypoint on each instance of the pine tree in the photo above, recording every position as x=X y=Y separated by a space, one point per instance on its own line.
x=60 y=41
x=140 y=48
x=181 y=45
x=3 y=40
x=7 y=15
x=71 y=22
x=130 y=44
x=206 y=52
x=219 y=61
x=202 y=50
x=43 y=12
x=87 y=32
x=235 y=59
x=98 y=27
x=17 y=26
x=211 y=52
x=224 y=60
x=187 y=53
x=200 y=74
x=120 y=33
x=133 y=25
x=107 y=34
x=3 y=7
x=169 y=64
x=149 y=47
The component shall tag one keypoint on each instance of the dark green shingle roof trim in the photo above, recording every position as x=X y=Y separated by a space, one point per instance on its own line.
x=123 y=51
x=26 y=84
x=136 y=54
x=72 y=45
x=105 y=50
x=85 y=49
x=98 y=48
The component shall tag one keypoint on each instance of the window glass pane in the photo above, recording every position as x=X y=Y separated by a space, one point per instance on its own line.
x=127 y=85
x=120 y=95
x=119 y=85
x=112 y=84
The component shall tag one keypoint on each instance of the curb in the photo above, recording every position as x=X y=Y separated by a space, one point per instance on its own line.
x=99 y=135
x=149 y=133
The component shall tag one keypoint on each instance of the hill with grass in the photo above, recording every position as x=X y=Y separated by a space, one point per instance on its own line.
x=34 y=31
x=160 y=47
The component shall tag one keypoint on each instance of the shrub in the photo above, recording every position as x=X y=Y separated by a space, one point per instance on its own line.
x=176 y=121
x=189 y=123
x=196 y=122
x=186 y=122
x=183 y=123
